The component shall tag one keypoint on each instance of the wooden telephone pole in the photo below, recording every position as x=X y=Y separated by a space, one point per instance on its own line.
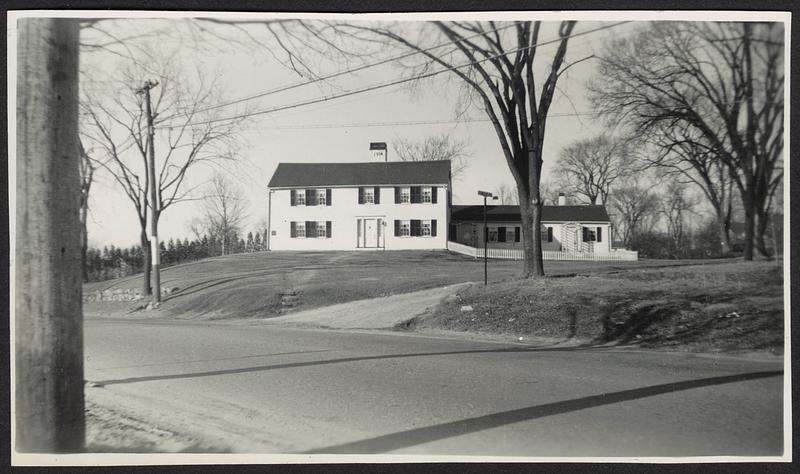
x=151 y=173
x=48 y=400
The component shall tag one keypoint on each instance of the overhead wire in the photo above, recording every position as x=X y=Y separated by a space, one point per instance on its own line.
x=399 y=81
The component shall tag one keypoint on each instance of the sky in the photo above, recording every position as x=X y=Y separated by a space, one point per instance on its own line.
x=325 y=132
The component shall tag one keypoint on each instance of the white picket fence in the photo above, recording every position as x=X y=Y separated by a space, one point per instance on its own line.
x=517 y=254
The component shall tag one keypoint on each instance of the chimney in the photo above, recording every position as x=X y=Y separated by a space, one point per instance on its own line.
x=378 y=151
x=562 y=200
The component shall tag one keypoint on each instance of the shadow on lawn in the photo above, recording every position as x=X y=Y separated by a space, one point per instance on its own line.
x=413 y=437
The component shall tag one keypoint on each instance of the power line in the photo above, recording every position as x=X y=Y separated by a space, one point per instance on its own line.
x=381 y=62
x=404 y=123
x=397 y=82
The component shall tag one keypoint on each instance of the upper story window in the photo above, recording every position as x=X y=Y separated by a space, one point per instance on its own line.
x=415 y=194
x=310 y=197
x=427 y=194
x=369 y=195
x=405 y=195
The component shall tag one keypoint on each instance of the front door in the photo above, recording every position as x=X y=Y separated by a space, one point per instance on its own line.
x=370 y=233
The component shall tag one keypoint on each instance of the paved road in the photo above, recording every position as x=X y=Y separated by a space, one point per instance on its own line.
x=253 y=387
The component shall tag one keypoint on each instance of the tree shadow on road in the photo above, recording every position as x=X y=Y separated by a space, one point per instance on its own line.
x=413 y=437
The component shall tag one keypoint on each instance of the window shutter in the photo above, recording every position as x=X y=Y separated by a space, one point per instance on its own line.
x=328 y=194
x=416 y=194
x=549 y=234
x=396 y=223
x=516 y=234
x=361 y=195
x=416 y=228
x=292 y=198
x=501 y=234
x=293 y=228
x=397 y=196
x=599 y=234
x=585 y=234
x=377 y=195
x=311 y=229
x=328 y=229
x=433 y=226
x=434 y=198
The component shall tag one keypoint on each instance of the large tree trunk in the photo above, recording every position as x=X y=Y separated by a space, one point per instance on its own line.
x=84 y=240
x=48 y=308
x=531 y=238
x=749 y=221
x=145 y=243
x=762 y=225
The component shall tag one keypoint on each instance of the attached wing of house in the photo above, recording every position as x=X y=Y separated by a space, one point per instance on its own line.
x=579 y=229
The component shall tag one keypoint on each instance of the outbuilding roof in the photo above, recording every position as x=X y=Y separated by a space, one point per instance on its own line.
x=587 y=213
x=289 y=175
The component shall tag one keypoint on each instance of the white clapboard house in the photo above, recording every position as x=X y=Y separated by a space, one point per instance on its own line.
x=350 y=206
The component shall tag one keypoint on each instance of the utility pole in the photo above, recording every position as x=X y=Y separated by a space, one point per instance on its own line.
x=48 y=402
x=154 y=204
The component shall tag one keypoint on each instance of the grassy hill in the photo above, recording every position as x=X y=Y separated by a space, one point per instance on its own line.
x=250 y=285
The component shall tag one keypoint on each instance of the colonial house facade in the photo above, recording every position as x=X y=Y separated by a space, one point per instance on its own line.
x=351 y=206
x=580 y=229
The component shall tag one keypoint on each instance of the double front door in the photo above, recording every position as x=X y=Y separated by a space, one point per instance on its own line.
x=370 y=232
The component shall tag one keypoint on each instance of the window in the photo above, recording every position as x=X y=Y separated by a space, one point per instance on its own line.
x=369 y=195
x=426 y=228
x=427 y=195
x=300 y=197
x=405 y=228
x=492 y=234
x=405 y=195
x=298 y=229
x=321 y=194
x=322 y=229
x=588 y=235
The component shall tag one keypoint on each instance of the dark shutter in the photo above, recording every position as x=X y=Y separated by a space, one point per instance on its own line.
x=433 y=227
x=434 y=198
x=516 y=234
x=549 y=234
x=416 y=227
x=416 y=194
x=293 y=228
x=377 y=195
x=397 y=195
x=361 y=195
x=328 y=229
x=599 y=234
x=311 y=193
x=311 y=229
x=585 y=234
x=292 y=198
x=396 y=223
x=328 y=195
x=501 y=234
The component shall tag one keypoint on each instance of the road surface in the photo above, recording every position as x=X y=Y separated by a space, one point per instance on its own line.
x=250 y=387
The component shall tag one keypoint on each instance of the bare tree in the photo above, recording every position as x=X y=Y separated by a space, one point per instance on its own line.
x=114 y=121
x=591 y=166
x=434 y=147
x=723 y=82
x=506 y=194
x=635 y=207
x=550 y=190
x=87 y=169
x=494 y=64
x=223 y=211
x=677 y=206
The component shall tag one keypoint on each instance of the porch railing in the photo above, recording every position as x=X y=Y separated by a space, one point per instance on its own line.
x=517 y=254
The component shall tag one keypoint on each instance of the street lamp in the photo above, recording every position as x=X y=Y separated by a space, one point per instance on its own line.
x=485 y=195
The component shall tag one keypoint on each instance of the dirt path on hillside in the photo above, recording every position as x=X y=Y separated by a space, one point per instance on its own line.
x=374 y=313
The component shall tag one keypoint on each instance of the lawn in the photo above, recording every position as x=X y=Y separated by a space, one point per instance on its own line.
x=250 y=285
x=710 y=307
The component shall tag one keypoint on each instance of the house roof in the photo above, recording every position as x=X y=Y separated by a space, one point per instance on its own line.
x=587 y=213
x=360 y=174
